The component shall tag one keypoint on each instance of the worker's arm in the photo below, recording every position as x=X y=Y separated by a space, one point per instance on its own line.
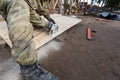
x=42 y=10
x=20 y=30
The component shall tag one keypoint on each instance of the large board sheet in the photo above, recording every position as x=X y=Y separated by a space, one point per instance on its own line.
x=41 y=38
x=64 y=23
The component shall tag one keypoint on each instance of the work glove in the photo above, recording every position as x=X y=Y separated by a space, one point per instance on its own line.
x=53 y=28
x=51 y=20
x=47 y=16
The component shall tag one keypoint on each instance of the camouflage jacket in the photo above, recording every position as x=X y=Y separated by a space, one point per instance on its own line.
x=39 y=6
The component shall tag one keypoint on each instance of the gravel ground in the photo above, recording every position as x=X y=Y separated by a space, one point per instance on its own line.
x=72 y=57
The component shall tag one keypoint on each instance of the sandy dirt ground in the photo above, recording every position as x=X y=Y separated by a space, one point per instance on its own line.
x=72 y=57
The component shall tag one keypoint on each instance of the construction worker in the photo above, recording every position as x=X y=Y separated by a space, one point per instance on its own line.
x=66 y=7
x=69 y=6
x=21 y=16
x=74 y=6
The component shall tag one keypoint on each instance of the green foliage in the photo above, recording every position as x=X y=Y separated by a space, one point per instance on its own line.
x=112 y=3
x=109 y=3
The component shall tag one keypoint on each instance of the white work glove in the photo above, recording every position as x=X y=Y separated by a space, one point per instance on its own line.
x=53 y=28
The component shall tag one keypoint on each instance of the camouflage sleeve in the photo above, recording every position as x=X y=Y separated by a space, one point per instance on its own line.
x=17 y=12
x=20 y=30
x=42 y=10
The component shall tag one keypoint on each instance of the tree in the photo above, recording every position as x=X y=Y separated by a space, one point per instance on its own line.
x=112 y=4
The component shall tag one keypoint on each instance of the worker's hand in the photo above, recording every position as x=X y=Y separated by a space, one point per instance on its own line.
x=52 y=20
x=53 y=28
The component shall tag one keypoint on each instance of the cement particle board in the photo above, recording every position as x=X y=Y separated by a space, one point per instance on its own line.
x=4 y=38
x=64 y=23
x=41 y=38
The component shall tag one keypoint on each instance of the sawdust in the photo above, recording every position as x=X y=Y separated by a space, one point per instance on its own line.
x=9 y=70
x=44 y=51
